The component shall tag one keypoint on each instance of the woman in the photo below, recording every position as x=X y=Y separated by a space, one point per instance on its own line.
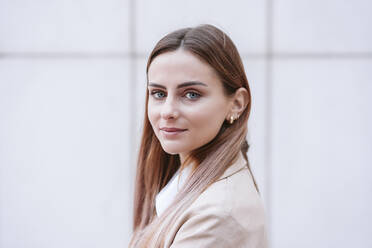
x=194 y=186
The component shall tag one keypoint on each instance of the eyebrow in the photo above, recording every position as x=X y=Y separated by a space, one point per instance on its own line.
x=185 y=84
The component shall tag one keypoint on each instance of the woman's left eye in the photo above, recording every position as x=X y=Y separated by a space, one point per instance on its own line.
x=192 y=95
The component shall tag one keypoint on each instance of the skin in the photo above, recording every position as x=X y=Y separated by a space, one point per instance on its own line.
x=185 y=93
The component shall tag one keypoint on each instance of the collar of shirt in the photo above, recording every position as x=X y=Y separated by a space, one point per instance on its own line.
x=166 y=196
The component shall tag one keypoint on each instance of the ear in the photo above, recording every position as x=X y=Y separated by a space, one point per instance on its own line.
x=239 y=102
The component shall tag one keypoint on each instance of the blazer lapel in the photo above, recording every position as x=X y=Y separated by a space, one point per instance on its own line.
x=238 y=165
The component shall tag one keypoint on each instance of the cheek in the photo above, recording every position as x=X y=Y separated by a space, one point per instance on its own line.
x=208 y=116
x=152 y=115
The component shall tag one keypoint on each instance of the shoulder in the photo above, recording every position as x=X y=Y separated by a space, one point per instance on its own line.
x=235 y=197
x=229 y=213
x=212 y=228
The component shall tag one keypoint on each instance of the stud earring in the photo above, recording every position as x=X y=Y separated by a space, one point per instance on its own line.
x=231 y=119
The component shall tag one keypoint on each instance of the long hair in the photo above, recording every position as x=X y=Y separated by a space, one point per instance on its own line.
x=155 y=167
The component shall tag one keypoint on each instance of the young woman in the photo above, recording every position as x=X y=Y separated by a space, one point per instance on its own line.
x=194 y=187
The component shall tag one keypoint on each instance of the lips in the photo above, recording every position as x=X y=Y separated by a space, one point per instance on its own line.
x=172 y=133
x=172 y=129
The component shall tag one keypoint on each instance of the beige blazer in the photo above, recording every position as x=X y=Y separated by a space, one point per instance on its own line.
x=229 y=213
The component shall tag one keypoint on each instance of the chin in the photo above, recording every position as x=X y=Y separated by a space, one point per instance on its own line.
x=173 y=149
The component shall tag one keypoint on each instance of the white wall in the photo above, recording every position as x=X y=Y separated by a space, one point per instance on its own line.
x=72 y=83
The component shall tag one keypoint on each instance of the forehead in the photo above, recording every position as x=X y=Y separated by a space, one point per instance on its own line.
x=172 y=68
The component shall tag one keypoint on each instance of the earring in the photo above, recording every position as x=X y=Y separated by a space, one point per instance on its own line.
x=231 y=119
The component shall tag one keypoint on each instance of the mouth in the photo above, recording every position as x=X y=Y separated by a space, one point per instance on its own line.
x=171 y=132
x=172 y=129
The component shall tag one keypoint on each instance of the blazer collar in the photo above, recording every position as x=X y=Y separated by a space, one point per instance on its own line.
x=237 y=166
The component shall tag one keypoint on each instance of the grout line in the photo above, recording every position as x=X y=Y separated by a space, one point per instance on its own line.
x=329 y=55
x=269 y=113
x=133 y=101
x=132 y=54
x=63 y=55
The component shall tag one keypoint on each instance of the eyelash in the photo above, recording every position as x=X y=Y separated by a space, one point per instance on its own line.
x=198 y=95
x=154 y=92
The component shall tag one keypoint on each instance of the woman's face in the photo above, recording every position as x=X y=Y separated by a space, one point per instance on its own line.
x=187 y=104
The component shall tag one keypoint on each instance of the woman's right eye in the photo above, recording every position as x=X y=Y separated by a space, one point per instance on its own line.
x=158 y=94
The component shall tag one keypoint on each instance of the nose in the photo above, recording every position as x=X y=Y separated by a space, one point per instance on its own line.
x=169 y=109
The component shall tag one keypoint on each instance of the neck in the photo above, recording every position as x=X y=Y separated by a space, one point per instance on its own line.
x=185 y=162
x=183 y=157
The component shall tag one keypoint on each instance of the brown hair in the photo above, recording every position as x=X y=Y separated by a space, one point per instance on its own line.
x=156 y=167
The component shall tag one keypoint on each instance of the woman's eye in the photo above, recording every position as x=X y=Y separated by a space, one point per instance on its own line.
x=158 y=94
x=192 y=95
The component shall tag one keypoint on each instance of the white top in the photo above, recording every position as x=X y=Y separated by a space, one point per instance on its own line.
x=166 y=196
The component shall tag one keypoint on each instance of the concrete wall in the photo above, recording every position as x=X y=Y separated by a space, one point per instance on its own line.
x=72 y=84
